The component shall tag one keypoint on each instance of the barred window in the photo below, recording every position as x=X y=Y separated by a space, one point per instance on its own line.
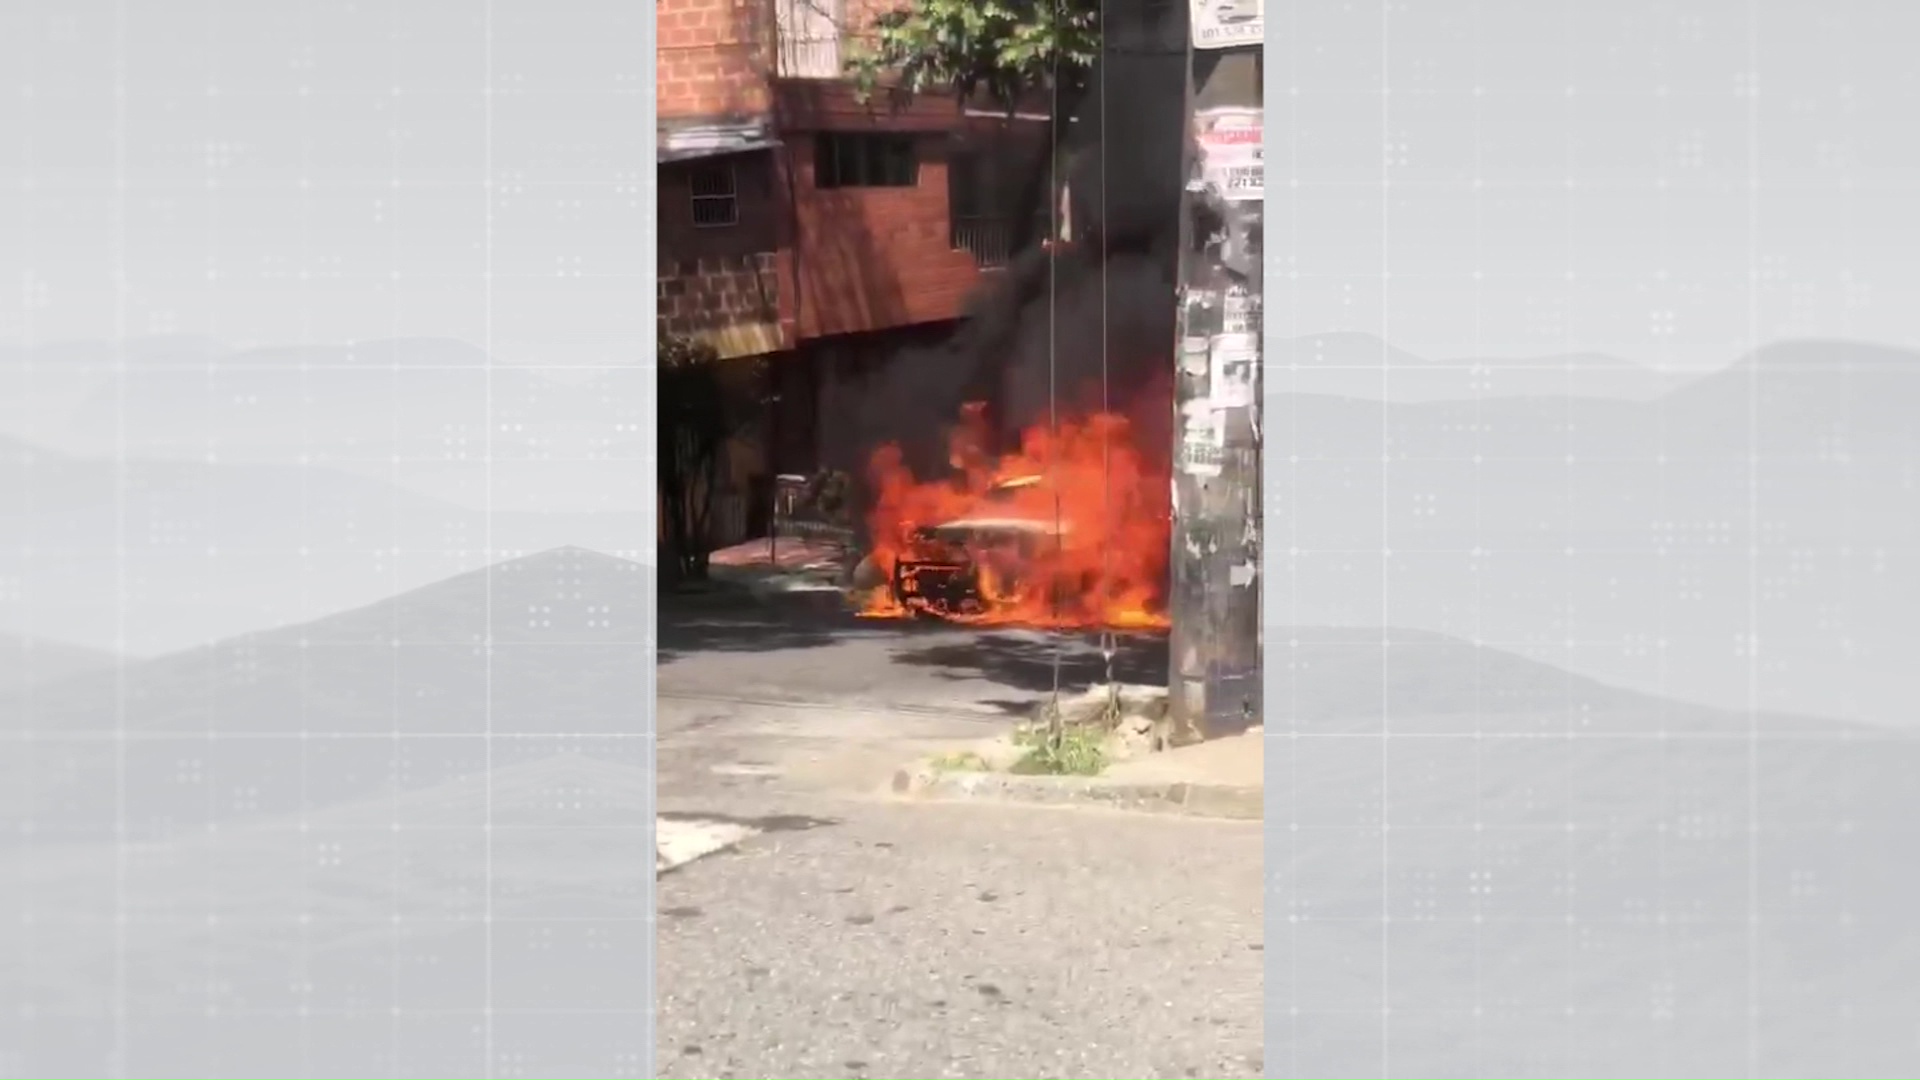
x=716 y=196
x=844 y=159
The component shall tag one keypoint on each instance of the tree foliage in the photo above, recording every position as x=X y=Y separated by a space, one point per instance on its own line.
x=997 y=50
x=703 y=404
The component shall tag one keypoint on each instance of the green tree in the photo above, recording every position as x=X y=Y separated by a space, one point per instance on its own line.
x=997 y=52
x=991 y=50
x=704 y=403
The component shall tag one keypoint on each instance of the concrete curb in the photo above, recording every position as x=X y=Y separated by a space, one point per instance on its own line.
x=1234 y=802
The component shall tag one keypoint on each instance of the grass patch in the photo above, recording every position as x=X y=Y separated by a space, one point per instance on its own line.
x=963 y=761
x=1073 y=751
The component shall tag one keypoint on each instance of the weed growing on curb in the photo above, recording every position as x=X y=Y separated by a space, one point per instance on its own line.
x=1068 y=751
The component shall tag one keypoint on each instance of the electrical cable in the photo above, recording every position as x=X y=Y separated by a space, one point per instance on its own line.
x=1054 y=245
x=1107 y=643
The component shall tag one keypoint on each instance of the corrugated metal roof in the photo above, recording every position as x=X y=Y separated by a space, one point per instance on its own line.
x=713 y=140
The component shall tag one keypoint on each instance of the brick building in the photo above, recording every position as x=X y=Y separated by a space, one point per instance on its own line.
x=798 y=223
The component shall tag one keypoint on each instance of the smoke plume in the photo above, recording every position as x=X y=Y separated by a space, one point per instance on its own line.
x=1033 y=341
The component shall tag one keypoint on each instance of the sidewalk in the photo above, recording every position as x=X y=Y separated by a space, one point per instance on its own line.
x=1236 y=761
x=1224 y=778
x=790 y=564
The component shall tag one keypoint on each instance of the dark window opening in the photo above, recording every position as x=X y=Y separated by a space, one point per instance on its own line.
x=716 y=196
x=992 y=201
x=976 y=221
x=842 y=160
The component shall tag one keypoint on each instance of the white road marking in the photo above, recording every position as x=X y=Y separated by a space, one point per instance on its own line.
x=679 y=841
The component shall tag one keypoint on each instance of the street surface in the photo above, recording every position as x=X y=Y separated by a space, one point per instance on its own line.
x=976 y=941
x=1486 y=867
x=851 y=935
x=792 y=691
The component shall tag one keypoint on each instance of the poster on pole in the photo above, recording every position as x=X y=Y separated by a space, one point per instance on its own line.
x=1234 y=358
x=1232 y=153
x=1195 y=353
x=1240 y=311
x=1203 y=439
x=1224 y=24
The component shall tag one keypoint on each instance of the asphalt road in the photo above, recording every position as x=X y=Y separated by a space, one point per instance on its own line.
x=925 y=940
x=795 y=688
x=859 y=936
x=1485 y=867
x=806 y=647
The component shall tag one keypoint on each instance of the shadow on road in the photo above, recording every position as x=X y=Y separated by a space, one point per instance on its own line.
x=727 y=621
x=1030 y=660
x=882 y=656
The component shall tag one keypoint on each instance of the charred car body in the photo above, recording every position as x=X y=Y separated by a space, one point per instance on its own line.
x=969 y=565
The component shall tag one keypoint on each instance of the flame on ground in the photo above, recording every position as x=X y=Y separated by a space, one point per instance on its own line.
x=1069 y=531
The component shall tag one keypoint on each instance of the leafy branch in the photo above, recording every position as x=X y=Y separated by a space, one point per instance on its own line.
x=999 y=50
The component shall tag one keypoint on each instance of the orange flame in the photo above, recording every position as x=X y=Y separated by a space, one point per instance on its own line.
x=1068 y=531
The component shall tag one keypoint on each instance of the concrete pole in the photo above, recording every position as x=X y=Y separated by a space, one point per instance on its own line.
x=1214 y=591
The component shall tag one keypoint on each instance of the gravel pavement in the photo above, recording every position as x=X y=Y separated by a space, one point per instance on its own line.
x=853 y=935
x=931 y=940
x=1487 y=868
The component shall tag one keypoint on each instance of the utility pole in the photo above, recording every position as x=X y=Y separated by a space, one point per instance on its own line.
x=1214 y=590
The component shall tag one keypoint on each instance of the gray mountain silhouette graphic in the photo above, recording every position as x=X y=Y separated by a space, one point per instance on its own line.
x=1361 y=365
x=1641 y=543
x=27 y=662
x=543 y=652
x=195 y=551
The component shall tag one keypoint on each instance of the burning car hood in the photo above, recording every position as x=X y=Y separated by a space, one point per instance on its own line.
x=1068 y=530
x=1032 y=526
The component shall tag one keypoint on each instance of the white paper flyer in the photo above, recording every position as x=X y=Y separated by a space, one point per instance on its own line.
x=1223 y=24
x=1232 y=153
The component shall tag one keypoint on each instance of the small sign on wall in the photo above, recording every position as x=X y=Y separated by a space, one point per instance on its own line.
x=1194 y=353
x=1240 y=311
x=1203 y=439
x=1224 y=24
x=1235 y=357
x=1232 y=152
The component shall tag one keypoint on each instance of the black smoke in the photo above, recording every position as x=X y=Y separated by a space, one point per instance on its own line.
x=1069 y=328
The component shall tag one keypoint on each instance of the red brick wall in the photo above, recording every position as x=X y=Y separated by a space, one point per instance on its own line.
x=759 y=205
x=701 y=296
x=713 y=57
x=873 y=258
x=847 y=261
x=719 y=276
x=856 y=18
x=816 y=104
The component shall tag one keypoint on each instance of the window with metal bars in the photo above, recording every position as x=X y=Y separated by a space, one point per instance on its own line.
x=716 y=195
x=976 y=222
x=848 y=159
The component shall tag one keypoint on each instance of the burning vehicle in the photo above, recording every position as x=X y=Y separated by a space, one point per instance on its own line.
x=962 y=567
x=1070 y=530
x=1056 y=510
